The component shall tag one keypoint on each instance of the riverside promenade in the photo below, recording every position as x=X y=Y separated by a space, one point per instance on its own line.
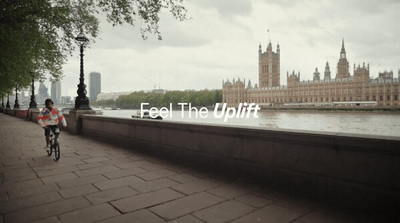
x=99 y=182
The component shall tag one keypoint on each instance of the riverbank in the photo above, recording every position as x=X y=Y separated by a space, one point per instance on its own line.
x=344 y=109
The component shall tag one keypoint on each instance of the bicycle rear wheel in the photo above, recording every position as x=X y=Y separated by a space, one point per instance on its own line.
x=57 y=150
x=50 y=151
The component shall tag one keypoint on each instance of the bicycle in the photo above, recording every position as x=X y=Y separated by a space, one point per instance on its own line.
x=54 y=144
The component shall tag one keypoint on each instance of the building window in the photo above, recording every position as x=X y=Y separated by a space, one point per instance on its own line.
x=395 y=97
x=367 y=98
x=388 y=98
x=381 y=98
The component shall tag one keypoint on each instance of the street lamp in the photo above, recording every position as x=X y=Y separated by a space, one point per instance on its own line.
x=8 y=101
x=33 y=104
x=16 y=104
x=82 y=101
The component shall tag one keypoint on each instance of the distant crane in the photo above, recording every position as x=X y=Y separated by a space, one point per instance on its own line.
x=154 y=84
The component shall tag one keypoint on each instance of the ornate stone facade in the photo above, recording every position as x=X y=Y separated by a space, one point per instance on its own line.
x=359 y=89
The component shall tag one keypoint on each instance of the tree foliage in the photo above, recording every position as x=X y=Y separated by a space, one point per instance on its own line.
x=37 y=36
x=203 y=98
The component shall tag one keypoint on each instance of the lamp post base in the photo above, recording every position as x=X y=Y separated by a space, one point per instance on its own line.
x=82 y=103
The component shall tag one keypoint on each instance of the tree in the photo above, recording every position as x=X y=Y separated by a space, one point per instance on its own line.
x=38 y=35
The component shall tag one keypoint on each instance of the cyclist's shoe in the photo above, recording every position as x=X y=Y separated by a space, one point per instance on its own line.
x=47 y=148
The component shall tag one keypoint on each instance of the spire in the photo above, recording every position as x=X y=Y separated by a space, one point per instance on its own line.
x=342 y=51
x=327 y=73
x=278 y=50
x=269 y=48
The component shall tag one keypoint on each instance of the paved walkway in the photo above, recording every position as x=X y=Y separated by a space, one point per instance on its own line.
x=97 y=182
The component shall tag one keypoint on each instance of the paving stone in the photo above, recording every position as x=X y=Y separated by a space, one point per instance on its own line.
x=146 y=200
x=47 y=210
x=254 y=200
x=144 y=164
x=111 y=195
x=183 y=178
x=27 y=202
x=47 y=220
x=90 y=214
x=186 y=219
x=152 y=175
x=294 y=201
x=333 y=215
x=14 y=162
x=144 y=216
x=119 y=182
x=196 y=186
x=12 y=186
x=224 y=212
x=153 y=185
x=272 y=214
x=49 y=163
x=90 y=165
x=97 y=170
x=116 y=159
x=124 y=172
x=81 y=181
x=18 y=174
x=59 y=177
x=95 y=159
x=228 y=191
x=46 y=173
x=186 y=205
x=78 y=191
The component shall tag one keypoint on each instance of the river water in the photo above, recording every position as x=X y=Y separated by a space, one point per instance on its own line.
x=385 y=124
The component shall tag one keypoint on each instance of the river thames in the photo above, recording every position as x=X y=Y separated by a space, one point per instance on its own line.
x=372 y=123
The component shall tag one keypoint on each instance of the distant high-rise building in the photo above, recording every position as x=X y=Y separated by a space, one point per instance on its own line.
x=95 y=85
x=56 y=92
x=43 y=94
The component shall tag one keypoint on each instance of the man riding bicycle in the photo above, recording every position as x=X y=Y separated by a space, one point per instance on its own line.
x=49 y=118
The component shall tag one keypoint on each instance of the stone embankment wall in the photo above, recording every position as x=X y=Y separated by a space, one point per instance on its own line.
x=359 y=169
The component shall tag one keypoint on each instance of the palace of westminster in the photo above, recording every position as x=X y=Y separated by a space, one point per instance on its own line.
x=359 y=89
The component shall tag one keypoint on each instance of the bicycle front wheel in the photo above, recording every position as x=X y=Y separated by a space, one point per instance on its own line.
x=57 y=150
x=49 y=152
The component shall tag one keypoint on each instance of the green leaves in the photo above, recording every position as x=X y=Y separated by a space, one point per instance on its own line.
x=37 y=36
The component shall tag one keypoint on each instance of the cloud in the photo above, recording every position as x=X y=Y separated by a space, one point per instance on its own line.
x=221 y=42
x=226 y=8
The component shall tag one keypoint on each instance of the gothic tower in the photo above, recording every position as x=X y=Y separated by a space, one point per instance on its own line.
x=343 y=64
x=269 y=67
x=327 y=73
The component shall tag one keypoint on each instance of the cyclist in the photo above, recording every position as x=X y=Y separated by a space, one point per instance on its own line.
x=48 y=118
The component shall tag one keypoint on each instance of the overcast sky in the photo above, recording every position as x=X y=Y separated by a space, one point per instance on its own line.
x=221 y=42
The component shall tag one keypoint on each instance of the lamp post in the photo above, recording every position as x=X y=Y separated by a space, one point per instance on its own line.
x=82 y=101
x=16 y=104
x=33 y=103
x=8 y=101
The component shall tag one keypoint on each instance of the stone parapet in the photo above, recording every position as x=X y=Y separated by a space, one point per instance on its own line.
x=361 y=169
x=74 y=121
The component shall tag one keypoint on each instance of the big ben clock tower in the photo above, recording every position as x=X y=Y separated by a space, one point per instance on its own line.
x=343 y=64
